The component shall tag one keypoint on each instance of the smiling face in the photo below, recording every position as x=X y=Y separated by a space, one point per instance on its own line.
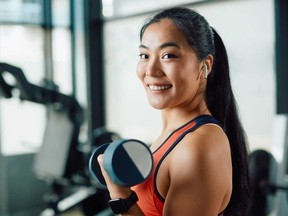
x=168 y=67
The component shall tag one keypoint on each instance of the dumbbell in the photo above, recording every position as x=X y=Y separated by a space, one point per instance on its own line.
x=127 y=162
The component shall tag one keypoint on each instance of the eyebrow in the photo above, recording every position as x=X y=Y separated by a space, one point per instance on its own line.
x=162 y=46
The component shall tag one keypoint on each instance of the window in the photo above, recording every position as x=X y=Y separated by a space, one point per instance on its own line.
x=35 y=35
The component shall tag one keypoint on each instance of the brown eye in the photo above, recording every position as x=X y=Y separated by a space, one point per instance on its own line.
x=168 y=56
x=143 y=56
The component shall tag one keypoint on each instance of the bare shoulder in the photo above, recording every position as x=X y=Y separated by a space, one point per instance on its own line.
x=205 y=153
x=207 y=143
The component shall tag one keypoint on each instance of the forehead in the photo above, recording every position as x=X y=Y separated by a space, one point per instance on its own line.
x=162 y=32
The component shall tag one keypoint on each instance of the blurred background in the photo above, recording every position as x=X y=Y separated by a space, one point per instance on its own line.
x=80 y=90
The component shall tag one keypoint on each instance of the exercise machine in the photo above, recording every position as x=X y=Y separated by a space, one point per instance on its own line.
x=269 y=174
x=61 y=161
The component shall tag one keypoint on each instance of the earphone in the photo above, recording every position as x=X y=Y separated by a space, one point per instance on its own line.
x=205 y=71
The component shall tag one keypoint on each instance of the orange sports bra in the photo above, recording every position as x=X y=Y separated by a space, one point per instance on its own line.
x=150 y=200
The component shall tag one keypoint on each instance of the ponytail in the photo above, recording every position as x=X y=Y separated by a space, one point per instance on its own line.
x=221 y=103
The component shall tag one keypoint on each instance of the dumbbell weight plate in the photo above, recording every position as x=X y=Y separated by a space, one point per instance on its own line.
x=94 y=167
x=128 y=162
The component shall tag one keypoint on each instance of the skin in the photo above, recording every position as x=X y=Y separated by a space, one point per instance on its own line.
x=173 y=78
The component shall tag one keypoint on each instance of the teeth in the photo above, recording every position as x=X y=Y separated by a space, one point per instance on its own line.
x=157 y=88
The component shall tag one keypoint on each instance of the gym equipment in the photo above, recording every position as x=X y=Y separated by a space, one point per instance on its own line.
x=263 y=171
x=127 y=162
x=65 y=117
x=62 y=162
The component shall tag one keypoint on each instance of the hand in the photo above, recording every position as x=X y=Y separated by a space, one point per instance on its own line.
x=115 y=191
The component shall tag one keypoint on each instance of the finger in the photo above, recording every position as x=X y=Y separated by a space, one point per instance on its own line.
x=110 y=184
x=115 y=190
x=104 y=173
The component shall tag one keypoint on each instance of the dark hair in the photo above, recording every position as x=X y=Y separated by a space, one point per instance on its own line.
x=219 y=95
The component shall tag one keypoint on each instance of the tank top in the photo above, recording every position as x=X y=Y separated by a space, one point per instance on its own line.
x=150 y=200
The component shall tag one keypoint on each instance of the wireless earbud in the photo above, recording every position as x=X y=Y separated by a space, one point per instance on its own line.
x=205 y=71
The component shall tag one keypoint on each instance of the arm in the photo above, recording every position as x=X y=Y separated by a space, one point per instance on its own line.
x=200 y=174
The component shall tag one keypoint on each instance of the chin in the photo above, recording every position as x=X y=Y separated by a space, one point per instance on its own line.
x=157 y=106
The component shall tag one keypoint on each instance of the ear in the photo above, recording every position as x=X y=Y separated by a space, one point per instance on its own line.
x=207 y=65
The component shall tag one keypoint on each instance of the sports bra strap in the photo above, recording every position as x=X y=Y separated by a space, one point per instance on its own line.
x=204 y=119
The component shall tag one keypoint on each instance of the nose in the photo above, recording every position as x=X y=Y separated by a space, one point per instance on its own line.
x=154 y=68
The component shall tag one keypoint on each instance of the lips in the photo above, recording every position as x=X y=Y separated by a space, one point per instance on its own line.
x=159 y=87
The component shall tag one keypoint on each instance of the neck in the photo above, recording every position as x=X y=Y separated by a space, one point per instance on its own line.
x=177 y=116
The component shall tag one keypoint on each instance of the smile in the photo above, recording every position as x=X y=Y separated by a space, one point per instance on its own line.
x=158 y=87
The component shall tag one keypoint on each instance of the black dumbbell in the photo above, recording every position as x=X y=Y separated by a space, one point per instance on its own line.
x=127 y=161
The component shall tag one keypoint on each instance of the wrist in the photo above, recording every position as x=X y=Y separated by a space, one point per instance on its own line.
x=123 y=194
x=122 y=205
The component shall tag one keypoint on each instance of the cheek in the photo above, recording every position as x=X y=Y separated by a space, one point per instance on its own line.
x=176 y=73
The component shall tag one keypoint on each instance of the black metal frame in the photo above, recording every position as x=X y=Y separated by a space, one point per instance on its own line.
x=47 y=26
x=95 y=74
x=281 y=51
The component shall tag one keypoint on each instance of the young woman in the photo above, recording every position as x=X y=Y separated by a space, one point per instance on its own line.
x=200 y=158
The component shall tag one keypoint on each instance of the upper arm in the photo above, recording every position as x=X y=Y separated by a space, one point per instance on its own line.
x=200 y=175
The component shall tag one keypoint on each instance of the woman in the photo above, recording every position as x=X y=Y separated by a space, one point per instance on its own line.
x=200 y=158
